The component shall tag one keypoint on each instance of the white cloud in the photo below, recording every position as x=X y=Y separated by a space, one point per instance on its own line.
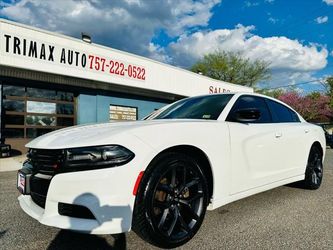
x=283 y=78
x=331 y=53
x=158 y=53
x=321 y=19
x=269 y=1
x=249 y=4
x=290 y=60
x=281 y=52
x=329 y=2
x=273 y=20
x=128 y=25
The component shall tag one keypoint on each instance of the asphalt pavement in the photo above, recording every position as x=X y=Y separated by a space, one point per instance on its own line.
x=283 y=218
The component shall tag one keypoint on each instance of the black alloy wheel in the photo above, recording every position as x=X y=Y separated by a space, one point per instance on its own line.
x=314 y=169
x=171 y=202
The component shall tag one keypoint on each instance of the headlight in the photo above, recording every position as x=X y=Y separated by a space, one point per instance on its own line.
x=97 y=157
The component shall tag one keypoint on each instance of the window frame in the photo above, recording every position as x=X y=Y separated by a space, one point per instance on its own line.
x=25 y=98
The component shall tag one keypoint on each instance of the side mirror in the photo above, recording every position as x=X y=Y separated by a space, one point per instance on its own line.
x=246 y=115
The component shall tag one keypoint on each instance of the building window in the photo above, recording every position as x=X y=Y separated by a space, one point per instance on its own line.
x=123 y=113
x=41 y=107
x=31 y=112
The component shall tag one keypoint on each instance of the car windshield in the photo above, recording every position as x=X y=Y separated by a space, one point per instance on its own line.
x=201 y=107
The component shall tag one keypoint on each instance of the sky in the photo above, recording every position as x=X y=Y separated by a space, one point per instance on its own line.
x=294 y=36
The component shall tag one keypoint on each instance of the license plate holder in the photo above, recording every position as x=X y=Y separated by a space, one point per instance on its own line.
x=23 y=181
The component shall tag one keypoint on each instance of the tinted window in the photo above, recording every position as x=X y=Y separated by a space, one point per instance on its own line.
x=13 y=105
x=64 y=121
x=246 y=102
x=14 y=119
x=41 y=93
x=13 y=90
x=66 y=109
x=14 y=132
x=281 y=113
x=65 y=96
x=201 y=107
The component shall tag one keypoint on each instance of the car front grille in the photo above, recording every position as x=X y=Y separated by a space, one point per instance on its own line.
x=45 y=164
x=46 y=161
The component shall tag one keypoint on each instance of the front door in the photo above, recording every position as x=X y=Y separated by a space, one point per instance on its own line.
x=255 y=147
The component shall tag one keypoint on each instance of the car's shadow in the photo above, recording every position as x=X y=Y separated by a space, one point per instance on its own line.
x=72 y=240
x=297 y=184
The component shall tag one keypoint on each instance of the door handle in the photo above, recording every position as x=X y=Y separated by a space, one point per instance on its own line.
x=306 y=131
x=278 y=135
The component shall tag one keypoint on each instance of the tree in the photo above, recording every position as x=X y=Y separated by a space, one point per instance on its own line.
x=232 y=67
x=329 y=89
x=314 y=107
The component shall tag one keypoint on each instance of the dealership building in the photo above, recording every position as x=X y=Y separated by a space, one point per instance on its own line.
x=50 y=81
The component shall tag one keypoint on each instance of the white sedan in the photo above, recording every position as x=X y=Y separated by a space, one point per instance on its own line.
x=158 y=176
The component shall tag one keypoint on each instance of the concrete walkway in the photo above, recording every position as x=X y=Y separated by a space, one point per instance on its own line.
x=12 y=163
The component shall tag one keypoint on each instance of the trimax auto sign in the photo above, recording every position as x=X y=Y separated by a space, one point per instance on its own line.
x=67 y=57
x=20 y=46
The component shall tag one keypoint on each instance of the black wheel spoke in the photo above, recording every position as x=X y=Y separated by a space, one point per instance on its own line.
x=192 y=183
x=191 y=199
x=184 y=175
x=173 y=177
x=174 y=221
x=191 y=212
x=164 y=187
x=163 y=218
x=189 y=184
x=183 y=224
x=314 y=178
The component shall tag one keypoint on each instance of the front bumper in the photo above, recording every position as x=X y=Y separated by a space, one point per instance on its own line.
x=107 y=193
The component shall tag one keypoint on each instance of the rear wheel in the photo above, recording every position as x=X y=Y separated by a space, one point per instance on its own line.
x=171 y=201
x=314 y=169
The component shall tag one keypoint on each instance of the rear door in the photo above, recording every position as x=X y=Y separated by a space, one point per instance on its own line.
x=293 y=137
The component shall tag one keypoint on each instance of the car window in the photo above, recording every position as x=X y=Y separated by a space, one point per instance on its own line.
x=247 y=101
x=281 y=113
x=200 y=107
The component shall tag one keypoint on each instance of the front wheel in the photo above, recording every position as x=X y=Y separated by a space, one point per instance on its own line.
x=171 y=201
x=314 y=169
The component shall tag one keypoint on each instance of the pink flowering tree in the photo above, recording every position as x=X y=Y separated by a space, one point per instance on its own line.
x=314 y=107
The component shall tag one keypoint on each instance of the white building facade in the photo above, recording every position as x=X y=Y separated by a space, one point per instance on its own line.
x=49 y=81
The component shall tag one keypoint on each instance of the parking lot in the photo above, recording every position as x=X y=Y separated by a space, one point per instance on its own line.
x=283 y=218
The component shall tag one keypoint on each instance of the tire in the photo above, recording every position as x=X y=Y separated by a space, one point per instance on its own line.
x=171 y=201
x=314 y=169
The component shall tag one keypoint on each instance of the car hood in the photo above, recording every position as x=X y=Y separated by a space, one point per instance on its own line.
x=102 y=134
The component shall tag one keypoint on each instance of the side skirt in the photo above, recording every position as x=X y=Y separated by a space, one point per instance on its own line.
x=220 y=202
